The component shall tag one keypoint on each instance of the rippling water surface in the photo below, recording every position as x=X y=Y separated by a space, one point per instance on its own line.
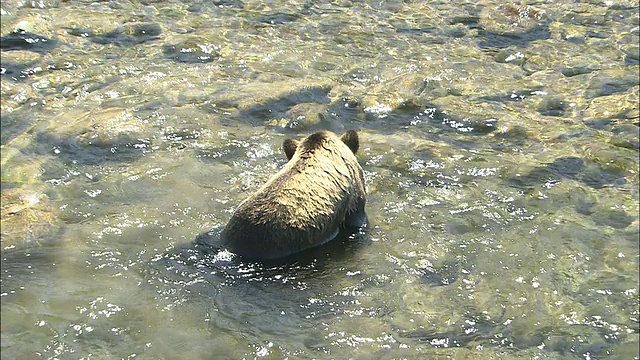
x=500 y=144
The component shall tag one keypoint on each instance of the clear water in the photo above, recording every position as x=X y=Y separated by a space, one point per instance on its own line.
x=500 y=144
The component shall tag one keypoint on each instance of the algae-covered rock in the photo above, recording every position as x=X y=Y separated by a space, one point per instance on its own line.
x=467 y=118
x=264 y=102
x=509 y=18
x=24 y=40
x=130 y=34
x=578 y=70
x=307 y=116
x=552 y=106
x=105 y=127
x=514 y=133
x=26 y=216
x=506 y=25
x=612 y=81
x=510 y=56
x=620 y=106
x=192 y=51
x=89 y=24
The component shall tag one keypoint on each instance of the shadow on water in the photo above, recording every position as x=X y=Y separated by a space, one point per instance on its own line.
x=431 y=120
x=132 y=34
x=341 y=114
x=127 y=36
x=277 y=107
x=124 y=148
x=190 y=52
x=18 y=71
x=487 y=333
x=277 y=297
x=493 y=40
x=514 y=96
x=19 y=263
x=499 y=40
x=446 y=274
x=574 y=168
x=208 y=246
x=476 y=328
x=24 y=40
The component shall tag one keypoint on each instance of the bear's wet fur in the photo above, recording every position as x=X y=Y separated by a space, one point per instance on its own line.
x=319 y=191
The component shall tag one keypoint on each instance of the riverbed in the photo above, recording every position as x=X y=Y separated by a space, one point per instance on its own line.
x=499 y=142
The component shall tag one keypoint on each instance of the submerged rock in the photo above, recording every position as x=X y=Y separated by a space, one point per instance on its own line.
x=26 y=216
x=129 y=35
x=192 y=51
x=552 y=106
x=288 y=95
x=278 y=18
x=578 y=70
x=609 y=82
x=509 y=25
x=514 y=133
x=306 y=116
x=19 y=64
x=24 y=40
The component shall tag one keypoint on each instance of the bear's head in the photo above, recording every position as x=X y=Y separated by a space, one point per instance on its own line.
x=350 y=138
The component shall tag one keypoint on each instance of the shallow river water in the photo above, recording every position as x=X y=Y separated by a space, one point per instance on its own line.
x=499 y=143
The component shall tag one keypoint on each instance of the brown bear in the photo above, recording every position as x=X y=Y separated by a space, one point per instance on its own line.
x=320 y=190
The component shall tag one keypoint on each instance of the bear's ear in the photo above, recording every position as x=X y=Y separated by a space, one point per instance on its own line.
x=289 y=146
x=350 y=138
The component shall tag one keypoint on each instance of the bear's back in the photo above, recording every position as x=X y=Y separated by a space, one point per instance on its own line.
x=303 y=205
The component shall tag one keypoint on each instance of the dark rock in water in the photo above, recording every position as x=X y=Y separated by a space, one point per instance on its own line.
x=468 y=20
x=306 y=116
x=278 y=18
x=617 y=219
x=625 y=136
x=130 y=35
x=402 y=26
x=195 y=8
x=598 y=124
x=510 y=56
x=24 y=40
x=323 y=66
x=79 y=31
x=278 y=107
x=611 y=82
x=574 y=168
x=585 y=207
x=470 y=126
x=578 y=70
x=518 y=95
x=345 y=108
x=458 y=227
x=601 y=34
x=445 y=275
x=597 y=177
x=17 y=71
x=632 y=55
x=567 y=167
x=458 y=31
x=514 y=133
x=493 y=40
x=192 y=51
x=552 y=106
x=147 y=29
x=229 y=3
